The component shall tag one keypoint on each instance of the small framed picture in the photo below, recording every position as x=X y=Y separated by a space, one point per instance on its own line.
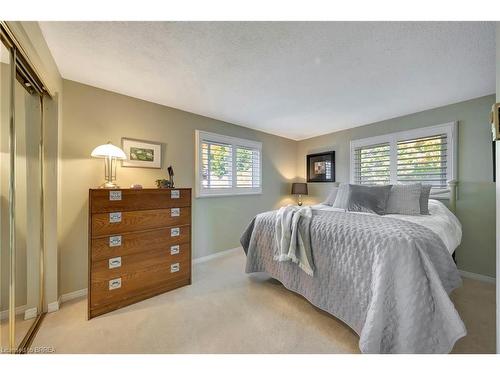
x=141 y=153
x=321 y=167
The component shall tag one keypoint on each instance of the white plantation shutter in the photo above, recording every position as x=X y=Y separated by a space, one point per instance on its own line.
x=423 y=160
x=217 y=165
x=227 y=165
x=372 y=164
x=426 y=155
x=247 y=167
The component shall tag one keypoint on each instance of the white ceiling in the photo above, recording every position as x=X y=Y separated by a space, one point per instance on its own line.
x=295 y=79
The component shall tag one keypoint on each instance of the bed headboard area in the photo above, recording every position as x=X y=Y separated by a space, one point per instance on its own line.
x=449 y=194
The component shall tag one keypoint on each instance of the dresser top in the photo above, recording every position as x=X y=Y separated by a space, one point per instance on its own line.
x=132 y=189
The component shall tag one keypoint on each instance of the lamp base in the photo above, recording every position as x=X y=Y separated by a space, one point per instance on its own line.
x=108 y=185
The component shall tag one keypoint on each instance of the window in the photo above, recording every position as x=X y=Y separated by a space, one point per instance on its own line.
x=426 y=155
x=372 y=164
x=227 y=165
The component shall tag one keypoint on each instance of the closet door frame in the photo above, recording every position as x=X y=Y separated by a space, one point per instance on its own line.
x=22 y=69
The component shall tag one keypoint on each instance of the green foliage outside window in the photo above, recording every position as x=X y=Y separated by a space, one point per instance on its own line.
x=219 y=160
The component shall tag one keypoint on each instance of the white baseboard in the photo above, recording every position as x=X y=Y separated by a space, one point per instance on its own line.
x=216 y=255
x=477 y=276
x=30 y=313
x=72 y=295
x=5 y=314
x=54 y=306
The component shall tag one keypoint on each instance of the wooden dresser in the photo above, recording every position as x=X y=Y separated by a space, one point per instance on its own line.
x=139 y=245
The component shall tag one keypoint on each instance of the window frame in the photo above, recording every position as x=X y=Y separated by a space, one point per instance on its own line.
x=450 y=129
x=235 y=142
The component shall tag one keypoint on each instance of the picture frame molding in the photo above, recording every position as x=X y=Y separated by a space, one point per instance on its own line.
x=308 y=170
x=160 y=144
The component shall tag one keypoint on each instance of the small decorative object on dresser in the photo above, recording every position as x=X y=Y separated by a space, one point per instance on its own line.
x=321 y=167
x=141 y=154
x=163 y=184
x=299 y=189
x=171 y=175
x=139 y=245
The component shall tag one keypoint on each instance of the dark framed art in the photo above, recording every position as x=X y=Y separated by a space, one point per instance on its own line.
x=321 y=167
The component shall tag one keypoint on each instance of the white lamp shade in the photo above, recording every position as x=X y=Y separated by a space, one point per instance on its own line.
x=107 y=150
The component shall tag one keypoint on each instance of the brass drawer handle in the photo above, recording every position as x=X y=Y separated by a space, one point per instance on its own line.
x=115 y=217
x=174 y=232
x=175 y=212
x=175 y=249
x=115 y=195
x=175 y=194
x=115 y=241
x=174 y=267
x=115 y=262
x=115 y=283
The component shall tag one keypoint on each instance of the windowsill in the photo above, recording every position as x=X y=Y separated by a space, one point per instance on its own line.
x=228 y=194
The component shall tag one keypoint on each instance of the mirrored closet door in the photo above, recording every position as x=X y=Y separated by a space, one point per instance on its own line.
x=21 y=207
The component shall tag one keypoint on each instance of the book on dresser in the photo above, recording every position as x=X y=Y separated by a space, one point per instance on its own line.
x=139 y=245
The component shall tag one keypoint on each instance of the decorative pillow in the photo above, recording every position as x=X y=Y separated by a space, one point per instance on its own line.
x=371 y=199
x=342 y=197
x=424 y=199
x=331 y=197
x=404 y=199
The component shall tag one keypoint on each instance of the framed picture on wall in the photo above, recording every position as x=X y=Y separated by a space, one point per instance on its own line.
x=141 y=153
x=321 y=167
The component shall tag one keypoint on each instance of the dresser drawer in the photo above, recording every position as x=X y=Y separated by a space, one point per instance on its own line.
x=114 y=266
x=137 y=242
x=127 y=221
x=125 y=285
x=102 y=200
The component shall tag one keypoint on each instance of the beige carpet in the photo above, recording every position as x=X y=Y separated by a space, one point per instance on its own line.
x=228 y=311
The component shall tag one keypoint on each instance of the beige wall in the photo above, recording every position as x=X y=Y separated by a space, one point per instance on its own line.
x=93 y=116
x=476 y=192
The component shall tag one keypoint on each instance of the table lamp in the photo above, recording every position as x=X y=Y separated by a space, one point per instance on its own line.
x=110 y=153
x=300 y=189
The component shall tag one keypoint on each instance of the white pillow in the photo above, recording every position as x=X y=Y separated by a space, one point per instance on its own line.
x=342 y=198
x=331 y=197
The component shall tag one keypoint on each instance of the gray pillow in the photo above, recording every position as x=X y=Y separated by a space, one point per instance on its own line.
x=342 y=197
x=424 y=199
x=331 y=197
x=371 y=199
x=404 y=199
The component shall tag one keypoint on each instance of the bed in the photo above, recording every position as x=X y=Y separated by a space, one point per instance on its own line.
x=387 y=277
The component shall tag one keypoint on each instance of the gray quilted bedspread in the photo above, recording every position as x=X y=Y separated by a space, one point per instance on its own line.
x=388 y=279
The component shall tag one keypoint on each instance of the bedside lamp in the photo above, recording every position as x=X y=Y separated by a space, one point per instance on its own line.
x=300 y=189
x=110 y=154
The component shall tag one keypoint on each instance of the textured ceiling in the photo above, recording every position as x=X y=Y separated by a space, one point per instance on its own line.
x=295 y=79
